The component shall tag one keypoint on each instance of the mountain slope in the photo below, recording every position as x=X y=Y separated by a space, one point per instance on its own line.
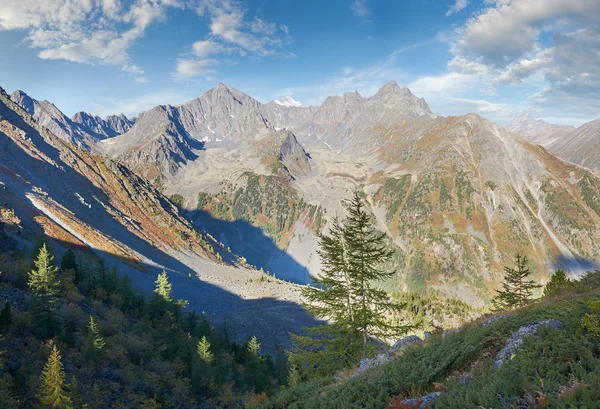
x=83 y=201
x=538 y=131
x=581 y=146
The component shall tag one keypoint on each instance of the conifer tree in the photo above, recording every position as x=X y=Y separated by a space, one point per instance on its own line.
x=517 y=290
x=352 y=256
x=254 y=347
x=53 y=376
x=163 y=287
x=366 y=252
x=204 y=351
x=294 y=377
x=69 y=262
x=5 y=315
x=557 y=281
x=45 y=287
x=97 y=341
x=126 y=291
x=111 y=279
x=326 y=348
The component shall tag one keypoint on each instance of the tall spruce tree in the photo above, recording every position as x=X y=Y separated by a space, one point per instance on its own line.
x=517 y=289
x=69 y=262
x=45 y=287
x=366 y=253
x=53 y=390
x=352 y=256
x=324 y=349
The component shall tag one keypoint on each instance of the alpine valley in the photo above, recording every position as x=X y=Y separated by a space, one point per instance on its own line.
x=251 y=186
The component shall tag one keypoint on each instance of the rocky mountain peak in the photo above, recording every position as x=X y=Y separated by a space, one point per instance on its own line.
x=525 y=121
x=24 y=101
x=392 y=96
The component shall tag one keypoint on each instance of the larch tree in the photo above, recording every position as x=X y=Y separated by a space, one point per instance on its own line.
x=204 y=352
x=97 y=340
x=45 y=288
x=53 y=389
x=163 y=287
x=294 y=378
x=517 y=289
x=254 y=347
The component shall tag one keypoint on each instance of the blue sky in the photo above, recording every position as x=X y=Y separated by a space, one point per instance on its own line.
x=495 y=57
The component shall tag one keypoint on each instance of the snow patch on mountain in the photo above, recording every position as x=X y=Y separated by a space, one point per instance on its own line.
x=288 y=102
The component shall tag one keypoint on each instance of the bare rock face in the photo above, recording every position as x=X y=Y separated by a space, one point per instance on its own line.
x=515 y=342
x=113 y=125
x=49 y=116
x=293 y=156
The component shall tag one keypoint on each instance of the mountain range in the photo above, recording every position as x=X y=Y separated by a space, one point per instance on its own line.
x=456 y=196
x=578 y=145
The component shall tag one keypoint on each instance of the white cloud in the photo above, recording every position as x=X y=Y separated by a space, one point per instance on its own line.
x=231 y=32
x=549 y=45
x=188 y=68
x=510 y=29
x=83 y=31
x=229 y=25
x=458 y=6
x=205 y=48
x=360 y=8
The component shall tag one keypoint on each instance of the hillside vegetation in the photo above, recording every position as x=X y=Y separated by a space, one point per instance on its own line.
x=560 y=368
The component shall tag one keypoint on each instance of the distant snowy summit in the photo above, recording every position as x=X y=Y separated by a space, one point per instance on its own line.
x=288 y=102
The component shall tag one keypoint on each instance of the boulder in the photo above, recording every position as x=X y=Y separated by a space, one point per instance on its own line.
x=368 y=363
x=515 y=342
x=403 y=343
x=427 y=401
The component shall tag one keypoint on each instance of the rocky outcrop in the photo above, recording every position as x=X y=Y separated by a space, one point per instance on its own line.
x=369 y=363
x=404 y=343
x=293 y=156
x=515 y=342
